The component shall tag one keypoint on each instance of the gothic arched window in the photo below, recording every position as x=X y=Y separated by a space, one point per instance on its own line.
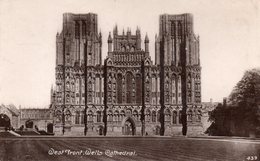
x=173 y=28
x=84 y=28
x=82 y=117
x=174 y=117
x=98 y=116
x=179 y=29
x=122 y=115
x=119 y=88
x=77 y=117
x=158 y=116
x=123 y=48
x=110 y=116
x=132 y=49
x=90 y=116
x=180 y=117
x=116 y=116
x=138 y=89
x=77 y=29
x=129 y=87
x=153 y=116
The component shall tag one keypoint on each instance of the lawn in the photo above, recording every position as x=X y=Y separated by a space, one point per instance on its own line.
x=124 y=148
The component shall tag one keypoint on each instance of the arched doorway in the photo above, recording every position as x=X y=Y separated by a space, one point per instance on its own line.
x=4 y=121
x=50 y=128
x=128 y=127
x=100 y=130
x=29 y=124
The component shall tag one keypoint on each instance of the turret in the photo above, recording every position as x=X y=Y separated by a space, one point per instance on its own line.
x=128 y=32
x=138 y=33
x=109 y=41
x=157 y=50
x=115 y=32
x=146 y=43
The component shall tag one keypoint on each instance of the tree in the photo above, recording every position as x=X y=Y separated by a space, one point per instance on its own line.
x=241 y=115
x=21 y=128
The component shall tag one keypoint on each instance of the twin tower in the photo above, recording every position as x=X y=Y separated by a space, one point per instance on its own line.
x=79 y=47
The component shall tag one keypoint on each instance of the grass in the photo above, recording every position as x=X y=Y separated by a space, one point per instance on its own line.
x=150 y=148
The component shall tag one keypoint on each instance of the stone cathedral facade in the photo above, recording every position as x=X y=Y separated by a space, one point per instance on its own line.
x=123 y=78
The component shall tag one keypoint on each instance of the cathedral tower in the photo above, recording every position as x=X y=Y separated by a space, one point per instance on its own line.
x=78 y=30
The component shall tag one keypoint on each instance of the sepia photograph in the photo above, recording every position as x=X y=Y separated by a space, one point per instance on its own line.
x=140 y=80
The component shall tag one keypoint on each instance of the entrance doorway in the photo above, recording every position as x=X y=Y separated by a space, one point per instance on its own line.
x=100 y=130
x=50 y=128
x=29 y=124
x=129 y=127
x=4 y=121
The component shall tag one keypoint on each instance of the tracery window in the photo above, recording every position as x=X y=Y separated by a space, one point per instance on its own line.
x=77 y=29
x=180 y=116
x=138 y=89
x=77 y=116
x=84 y=28
x=90 y=116
x=129 y=87
x=179 y=29
x=119 y=88
x=110 y=116
x=98 y=116
x=173 y=28
x=153 y=116
x=82 y=117
x=174 y=117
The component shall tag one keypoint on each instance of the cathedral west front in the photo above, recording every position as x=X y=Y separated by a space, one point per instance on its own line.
x=93 y=95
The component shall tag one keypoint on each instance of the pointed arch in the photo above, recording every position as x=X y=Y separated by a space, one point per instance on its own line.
x=129 y=87
x=98 y=116
x=122 y=115
x=119 y=88
x=116 y=116
x=153 y=116
x=179 y=29
x=84 y=28
x=90 y=116
x=180 y=117
x=77 y=117
x=138 y=89
x=110 y=116
x=77 y=29
x=174 y=117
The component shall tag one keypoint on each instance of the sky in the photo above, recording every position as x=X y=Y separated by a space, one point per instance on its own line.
x=229 y=33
